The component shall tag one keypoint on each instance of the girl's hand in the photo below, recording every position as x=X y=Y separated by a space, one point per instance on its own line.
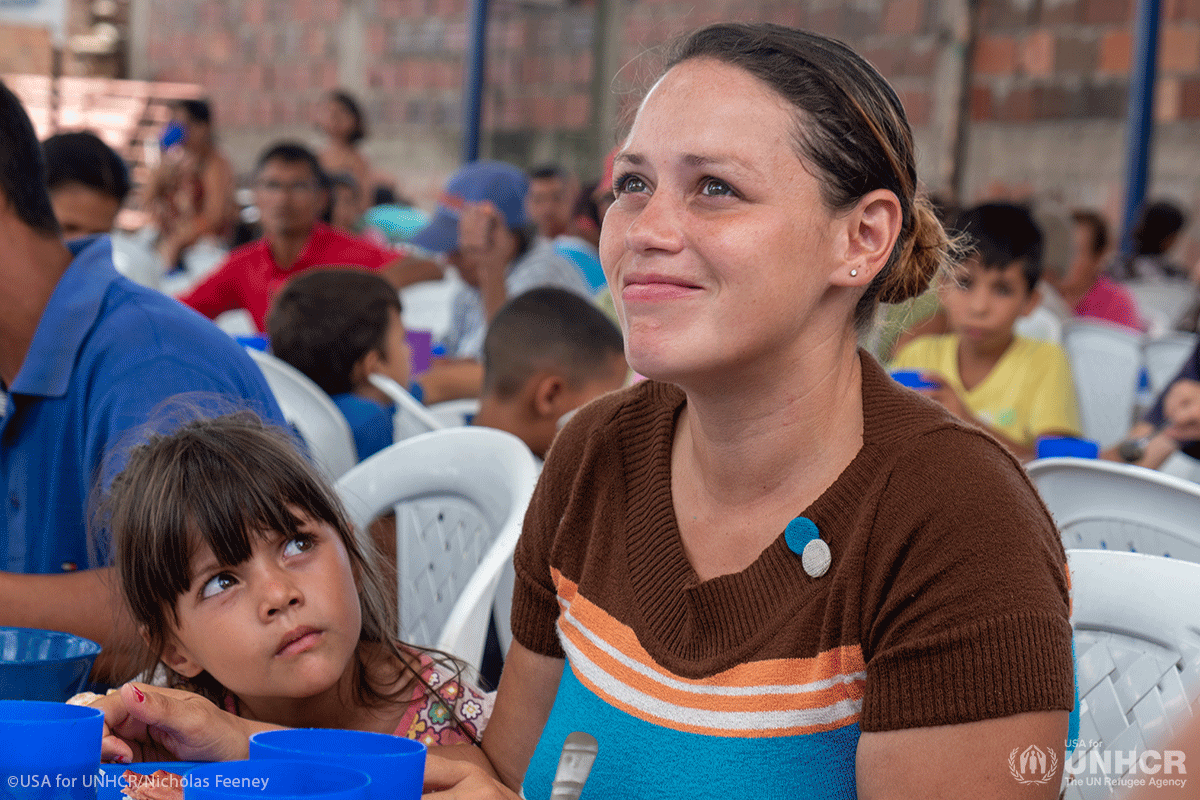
x=148 y=723
x=451 y=779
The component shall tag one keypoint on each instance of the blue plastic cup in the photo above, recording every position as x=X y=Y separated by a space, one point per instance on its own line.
x=1056 y=446
x=396 y=765
x=49 y=751
x=913 y=379
x=275 y=780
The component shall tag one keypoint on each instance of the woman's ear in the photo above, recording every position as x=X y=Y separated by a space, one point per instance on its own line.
x=871 y=230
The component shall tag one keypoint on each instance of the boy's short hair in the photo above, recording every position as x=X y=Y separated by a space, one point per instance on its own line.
x=1098 y=226
x=82 y=157
x=547 y=328
x=1002 y=233
x=323 y=321
x=545 y=172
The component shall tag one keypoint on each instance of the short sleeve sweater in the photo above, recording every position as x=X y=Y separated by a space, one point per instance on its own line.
x=946 y=602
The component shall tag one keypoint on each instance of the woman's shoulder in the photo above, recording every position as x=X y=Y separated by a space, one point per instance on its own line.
x=645 y=404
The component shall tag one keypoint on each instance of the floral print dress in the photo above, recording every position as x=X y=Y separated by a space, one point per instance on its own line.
x=428 y=718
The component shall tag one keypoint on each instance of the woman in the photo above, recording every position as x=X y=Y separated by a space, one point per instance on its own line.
x=342 y=121
x=769 y=567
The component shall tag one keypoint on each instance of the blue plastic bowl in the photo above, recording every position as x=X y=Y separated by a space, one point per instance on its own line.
x=43 y=665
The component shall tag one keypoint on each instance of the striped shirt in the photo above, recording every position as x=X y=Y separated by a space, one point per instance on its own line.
x=946 y=602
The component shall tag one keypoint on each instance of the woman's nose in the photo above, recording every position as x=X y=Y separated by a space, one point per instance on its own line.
x=656 y=225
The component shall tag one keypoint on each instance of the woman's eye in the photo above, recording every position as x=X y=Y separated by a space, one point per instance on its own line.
x=217 y=584
x=300 y=543
x=712 y=187
x=628 y=183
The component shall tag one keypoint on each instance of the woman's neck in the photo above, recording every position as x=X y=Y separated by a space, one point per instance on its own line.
x=757 y=435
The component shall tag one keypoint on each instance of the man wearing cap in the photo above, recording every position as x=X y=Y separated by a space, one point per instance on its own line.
x=482 y=229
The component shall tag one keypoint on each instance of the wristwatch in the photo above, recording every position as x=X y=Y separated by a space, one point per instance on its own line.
x=1132 y=450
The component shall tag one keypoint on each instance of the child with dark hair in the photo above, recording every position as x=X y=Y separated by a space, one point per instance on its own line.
x=1018 y=389
x=338 y=326
x=256 y=595
x=547 y=352
x=1085 y=288
x=1156 y=232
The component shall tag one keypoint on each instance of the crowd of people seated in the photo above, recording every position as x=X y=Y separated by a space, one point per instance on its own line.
x=692 y=346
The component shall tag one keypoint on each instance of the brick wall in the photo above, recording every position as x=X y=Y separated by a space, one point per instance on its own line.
x=1047 y=99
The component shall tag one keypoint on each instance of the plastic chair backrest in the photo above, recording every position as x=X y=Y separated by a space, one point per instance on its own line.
x=460 y=496
x=310 y=411
x=1106 y=361
x=452 y=413
x=1041 y=323
x=1137 y=659
x=412 y=417
x=1165 y=299
x=1165 y=356
x=1109 y=506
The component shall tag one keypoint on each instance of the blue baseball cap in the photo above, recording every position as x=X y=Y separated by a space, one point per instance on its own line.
x=503 y=185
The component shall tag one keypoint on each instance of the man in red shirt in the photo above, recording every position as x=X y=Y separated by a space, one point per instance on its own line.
x=291 y=194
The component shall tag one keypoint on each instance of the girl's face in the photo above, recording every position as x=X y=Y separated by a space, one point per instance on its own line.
x=718 y=249
x=283 y=624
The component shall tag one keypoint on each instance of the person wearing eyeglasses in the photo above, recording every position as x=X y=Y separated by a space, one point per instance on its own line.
x=291 y=193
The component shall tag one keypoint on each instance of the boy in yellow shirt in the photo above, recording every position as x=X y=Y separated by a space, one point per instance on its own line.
x=1018 y=389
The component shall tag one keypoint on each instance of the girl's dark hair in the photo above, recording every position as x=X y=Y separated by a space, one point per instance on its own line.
x=347 y=101
x=850 y=127
x=224 y=482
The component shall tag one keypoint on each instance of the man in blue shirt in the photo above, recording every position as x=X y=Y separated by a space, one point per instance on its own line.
x=85 y=356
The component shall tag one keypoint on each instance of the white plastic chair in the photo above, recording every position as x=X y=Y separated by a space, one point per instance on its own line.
x=1161 y=301
x=311 y=412
x=453 y=413
x=1137 y=657
x=460 y=497
x=1042 y=324
x=1109 y=506
x=1165 y=356
x=411 y=417
x=1106 y=361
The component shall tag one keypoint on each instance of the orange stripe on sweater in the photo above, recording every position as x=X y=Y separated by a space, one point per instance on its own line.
x=840 y=662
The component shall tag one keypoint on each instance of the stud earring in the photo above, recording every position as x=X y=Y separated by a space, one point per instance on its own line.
x=853 y=273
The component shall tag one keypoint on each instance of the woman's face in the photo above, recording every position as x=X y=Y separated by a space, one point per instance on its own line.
x=718 y=248
x=336 y=120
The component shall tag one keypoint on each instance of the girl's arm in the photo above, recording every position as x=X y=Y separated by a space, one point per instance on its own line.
x=528 y=687
x=969 y=760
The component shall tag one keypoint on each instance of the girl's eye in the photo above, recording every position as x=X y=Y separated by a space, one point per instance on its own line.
x=217 y=584
x=625 y=184
x=713 y=187
x=300 y=543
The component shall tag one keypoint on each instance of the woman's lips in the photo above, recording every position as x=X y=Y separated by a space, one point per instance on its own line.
x=653 y=289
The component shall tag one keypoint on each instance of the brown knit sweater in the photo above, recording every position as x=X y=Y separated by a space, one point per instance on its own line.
x=946 y=601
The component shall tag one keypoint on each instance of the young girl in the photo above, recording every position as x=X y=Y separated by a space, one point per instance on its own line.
x=249 y=586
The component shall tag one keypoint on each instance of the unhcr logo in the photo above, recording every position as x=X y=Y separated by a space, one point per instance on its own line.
x=1034 y=766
